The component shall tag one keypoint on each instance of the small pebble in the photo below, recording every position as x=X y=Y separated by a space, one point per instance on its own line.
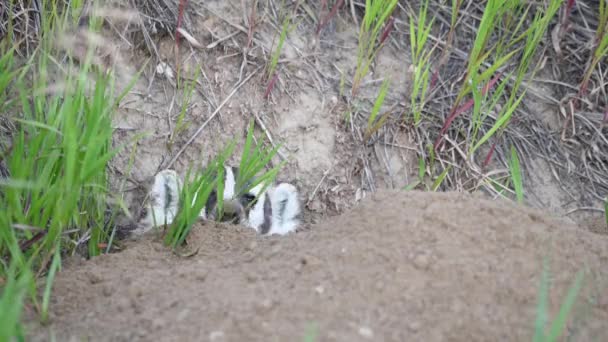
x=366 y=332
x=106 y=291
x=201 y=276
x=216 y=335
x=414 y=326
x=422 y=261
x=252 y=246
x=94 y=278
x=266 y=303
x=251 y=277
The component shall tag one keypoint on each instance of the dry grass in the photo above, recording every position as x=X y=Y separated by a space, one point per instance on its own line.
x=578 y=151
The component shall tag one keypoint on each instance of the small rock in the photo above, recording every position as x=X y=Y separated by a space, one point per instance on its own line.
x=182 y=315
x=366 y=332
x=216 y=335
x=379 y=285
x=319 y=289
x=252 y=246
x=266 y=303
x=422 y=261
x=358 y=195
x=251 y=277
x=201 y=276
x=164 y=69
x=158 y=323
x=94 y=278
x=106 y=291
x=316 y=206
x=276 y=249
x=414 y=326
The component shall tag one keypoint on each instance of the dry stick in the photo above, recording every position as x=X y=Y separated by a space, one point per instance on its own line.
x=571 y=211
x=259 y=121
x=217 y=110
x=314 y=192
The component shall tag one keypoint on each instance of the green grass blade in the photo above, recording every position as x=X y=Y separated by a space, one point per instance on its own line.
x=499 y=123
x=516 y=175
x=412 y=185
x=55 y=265
x=439 y=180
x=558 y=325
x=543 y=304
x=11 y=302
x=378 y=103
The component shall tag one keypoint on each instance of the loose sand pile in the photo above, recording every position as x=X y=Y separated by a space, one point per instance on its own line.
x=400 y=266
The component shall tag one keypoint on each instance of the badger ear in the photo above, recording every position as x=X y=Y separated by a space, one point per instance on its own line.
x=210 y=205
x=286 y=209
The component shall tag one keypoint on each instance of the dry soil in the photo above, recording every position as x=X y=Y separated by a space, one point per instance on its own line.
x=400 y=266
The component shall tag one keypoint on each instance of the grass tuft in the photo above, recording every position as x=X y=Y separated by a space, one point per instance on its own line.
x=559 y=324
x=56 y=196
x=421 y=58
x=377 y=13
x=254 y=160
x=193 y=197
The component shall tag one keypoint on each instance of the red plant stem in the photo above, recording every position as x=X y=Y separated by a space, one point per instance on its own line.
x=563 y=26
x=434 y=79
x=270 y=85
x=28 y=243
x=180 y=15
x=251 y=25
x=387 y=30
x=457 y=111
x=488 y=158
x=569 y=7
x=328 y=17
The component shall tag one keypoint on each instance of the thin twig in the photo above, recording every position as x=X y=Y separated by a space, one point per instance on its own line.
x=260 y=123
x=314 y=192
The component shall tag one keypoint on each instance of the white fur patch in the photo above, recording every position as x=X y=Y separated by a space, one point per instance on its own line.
x=255 y=219
x=229 y=183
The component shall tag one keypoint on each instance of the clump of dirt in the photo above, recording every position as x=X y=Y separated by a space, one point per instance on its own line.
x=402 y=266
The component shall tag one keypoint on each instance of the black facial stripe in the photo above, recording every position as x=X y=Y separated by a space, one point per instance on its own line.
x=211 y=202
x=235 y=172
x=248 y=200
x=168 y=196
x=267 y=216
x=282 y=207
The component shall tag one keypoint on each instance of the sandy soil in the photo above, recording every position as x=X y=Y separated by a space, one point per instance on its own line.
x=401 y=266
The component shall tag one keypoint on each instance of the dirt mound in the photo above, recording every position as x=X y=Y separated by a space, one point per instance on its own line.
x=401 y=266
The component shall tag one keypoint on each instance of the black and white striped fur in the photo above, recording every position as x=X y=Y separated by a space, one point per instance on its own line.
x=275 y=210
